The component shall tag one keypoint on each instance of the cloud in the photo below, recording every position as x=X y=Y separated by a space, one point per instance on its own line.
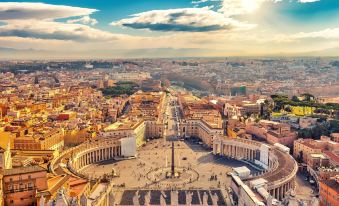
x=84 y=20
x=39 y=11
x=308 y=1
x=239 y=7
x=54 y=30
x=184 y=20
x=329 y=33
x=37 y=20
x=199 y=1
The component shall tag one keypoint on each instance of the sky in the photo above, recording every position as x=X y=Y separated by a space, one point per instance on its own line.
x=168 y=28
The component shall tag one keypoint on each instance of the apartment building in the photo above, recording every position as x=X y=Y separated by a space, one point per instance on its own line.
x=272 y=132
x=49 y=139
x=20 y=185
x=316 y=152
x=329 y=192
x=200 y=119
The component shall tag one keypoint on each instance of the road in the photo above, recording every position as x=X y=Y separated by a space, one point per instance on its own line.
x=304 y=190
x=172 y=118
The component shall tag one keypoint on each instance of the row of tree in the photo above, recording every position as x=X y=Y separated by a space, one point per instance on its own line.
x=308 y=100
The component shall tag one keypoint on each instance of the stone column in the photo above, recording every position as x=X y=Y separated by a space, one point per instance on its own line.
x=92 y=158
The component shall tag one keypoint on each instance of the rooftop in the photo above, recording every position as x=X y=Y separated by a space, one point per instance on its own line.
x=285 y=168
x=23 y=170
x=332 y=184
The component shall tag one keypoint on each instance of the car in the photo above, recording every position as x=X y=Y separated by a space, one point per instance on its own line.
x=229 y=190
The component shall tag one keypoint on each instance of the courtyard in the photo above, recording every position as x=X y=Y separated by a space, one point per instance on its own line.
x=197 y=167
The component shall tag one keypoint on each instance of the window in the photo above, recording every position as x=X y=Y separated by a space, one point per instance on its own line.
x=21 y=187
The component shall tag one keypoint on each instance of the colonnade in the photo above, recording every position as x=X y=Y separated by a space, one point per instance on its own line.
x=95 y=155
x=237 y=152
x=246 y=149
x=280 y=192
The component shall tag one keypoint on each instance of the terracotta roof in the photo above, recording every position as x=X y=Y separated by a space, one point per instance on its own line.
x=23 y=170
x=332 y=156
x=312 y=146
x=332 y=184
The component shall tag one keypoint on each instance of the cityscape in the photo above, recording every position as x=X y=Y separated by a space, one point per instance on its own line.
x=177 y=103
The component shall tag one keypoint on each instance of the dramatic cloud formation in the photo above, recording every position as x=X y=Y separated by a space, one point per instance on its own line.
x=54 y=30
x=39 y=11
x=213 y=28
x=36 y=20
x=185 y=20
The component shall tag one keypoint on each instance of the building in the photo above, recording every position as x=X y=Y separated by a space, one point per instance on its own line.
x=200 y=119
x=238 y=91
x=244 y=195
x=46 y=139
x=329 y=192
x=151 y=85
x=73 y=187
x=272 y=132
x=1 y=191
x=143 y=121
x=71 y=191
x=335 y=137
x=130 y=76
x=5 y=151
x=280 y=168
x=306 y=122
x=200 y=129
x=236 y=128
x=316 y=152
x=318 y=160
x=241 y=108
x=127 y=128
x=20 y=185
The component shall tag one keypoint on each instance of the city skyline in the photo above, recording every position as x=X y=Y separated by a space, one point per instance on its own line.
x=185 y=28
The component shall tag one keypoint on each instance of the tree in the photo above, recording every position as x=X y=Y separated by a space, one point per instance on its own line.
x=295 y=99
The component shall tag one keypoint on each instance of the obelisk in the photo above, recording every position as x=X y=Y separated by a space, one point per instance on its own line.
x=172 y=164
